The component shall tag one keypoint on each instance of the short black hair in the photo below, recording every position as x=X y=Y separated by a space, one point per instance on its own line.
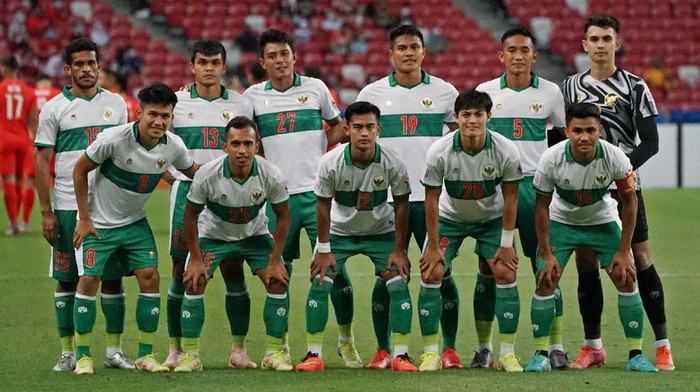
x=582 y=110
x=208 y=47
x=473 y=99
x=407 y=29
x=359 y=108
x=257 y=70
x=10 y=62
x=80 y=45
x=41 y=76
x=604 y=21
x=119 y=78
x=157 y=94
x=524 y=31
x=241 y=122
x=275 y=36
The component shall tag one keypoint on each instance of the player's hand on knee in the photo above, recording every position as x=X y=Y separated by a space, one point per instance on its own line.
x=277 y=272
x=82 y=230
x=320 y=265
x=195 y=272
x=625 y=262
x=550 y=273
x=402 y=263
x=507 y=257
x=432 y=258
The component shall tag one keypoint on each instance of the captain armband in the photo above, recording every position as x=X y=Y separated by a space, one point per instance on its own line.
x=627 y=184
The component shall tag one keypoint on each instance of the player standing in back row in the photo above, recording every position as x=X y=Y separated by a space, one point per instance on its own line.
x=628 y=111
x=416 y=111
x=290 y=110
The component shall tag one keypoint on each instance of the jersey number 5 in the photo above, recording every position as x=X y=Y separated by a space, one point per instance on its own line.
x=518 y=128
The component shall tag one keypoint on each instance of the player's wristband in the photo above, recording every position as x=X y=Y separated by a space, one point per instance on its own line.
x=507 y=238
x=323 y=247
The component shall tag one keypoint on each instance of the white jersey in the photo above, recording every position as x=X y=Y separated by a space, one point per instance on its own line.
x=69 y=124
x=521 y=115
x=290 y=124
x=201 y=123
x=412 y=118
x=472 y=183
x=129 y=172
x=581 y=195
x=360 y=205
x=235 y=210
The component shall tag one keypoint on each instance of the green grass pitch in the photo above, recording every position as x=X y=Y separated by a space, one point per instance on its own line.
x=29 y=344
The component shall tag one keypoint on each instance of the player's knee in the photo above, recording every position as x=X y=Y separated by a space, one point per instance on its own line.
x=66 y=287
x=112 y=286
x=87 y=285
x=642 y=257
x=178 y=268
x=504 y=275
x=435 y=276
x=148 y=279
x=276 y=287
x=201 y=286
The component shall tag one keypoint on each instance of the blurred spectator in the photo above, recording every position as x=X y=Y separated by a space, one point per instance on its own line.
x=128 y=62
x=332 y=22
x=54 y=66
x=235 y=84
x=656 y=77
x=406 y=18
x=381 y=15
x=44 y=90
x=436 y=42
x=248 y=40
x=358 y=44
x=98 y=34
x=313 y=71
x=37 y=23
x=302 y=30
x=17 y=31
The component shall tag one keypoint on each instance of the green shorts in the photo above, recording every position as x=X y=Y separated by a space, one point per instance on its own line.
x=303 y=215
x=376 y=247
x=525 y=220
x=63 y=266
x=177 y=246
x=254 y=250
x=133 y=243
x=452 y=234
x=603 y=239
x=416 y=223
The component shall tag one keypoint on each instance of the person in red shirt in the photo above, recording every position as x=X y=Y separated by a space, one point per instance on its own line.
x=44 y=90
x=18 y=123
x=116 y=83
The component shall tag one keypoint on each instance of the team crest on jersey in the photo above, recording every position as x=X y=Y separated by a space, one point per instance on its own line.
x=611 y=99
x=107 y=113
x=499 y=106
x=151 y=254
x=455 y=170
x=223 y=197
x=129 y=161
x=579 y=97
x=190 y=116
x=536 y=107
x=73 y=117
x=267 y=102
x=161 y=162
x=388 y=104
x=226 y=115
x=303 y=100
x=426 y=103
x=256 y=196
x=489 y=172
x=378 y=181
x=601 y=179
x=346 y=183
x=567 y=182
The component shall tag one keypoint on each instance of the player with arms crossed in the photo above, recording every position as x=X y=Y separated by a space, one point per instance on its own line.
x=523 y=102
x=290 y=110
x=574 y=209
x=68 y=123
x=628 y=111
x=233 y=226
x=131 y=159
x=416 y=111
x=480 y=171
x=354 y=217
x=200 y=118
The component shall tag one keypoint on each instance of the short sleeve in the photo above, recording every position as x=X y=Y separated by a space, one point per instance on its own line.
x=622 y=167
x=399 y=180
x=47 y=131
x=512 y=170
x=198 y=193
x=329 y=108
x=558 y=111
x=643 y=101
x=182 y=160
x=325 y=180
x=277 y=192
x=542 y=182
x=449 y=117
x=435 y=170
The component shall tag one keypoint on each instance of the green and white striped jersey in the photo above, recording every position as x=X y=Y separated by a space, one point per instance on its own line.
x=129 y=172
x=521 y=115
x=581 y=196
x=412 y=118
x=69 y=124
x=360 y=205
x=472 y=183
x=290 y=124
x=235 y=210
x=201 y=123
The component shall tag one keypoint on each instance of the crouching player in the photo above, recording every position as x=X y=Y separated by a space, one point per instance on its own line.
x=574 y=209
x=131 y=159
x=354 y=217
x=233 y=226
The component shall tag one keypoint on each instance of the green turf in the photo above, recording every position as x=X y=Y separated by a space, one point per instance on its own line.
x=29 y=344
